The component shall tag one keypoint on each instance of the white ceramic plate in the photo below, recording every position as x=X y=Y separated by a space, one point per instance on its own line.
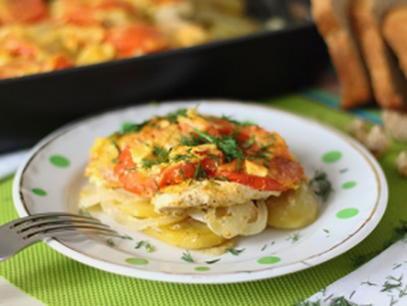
x=52 y=176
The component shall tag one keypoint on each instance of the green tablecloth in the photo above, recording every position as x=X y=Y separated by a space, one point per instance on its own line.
x=57 y=280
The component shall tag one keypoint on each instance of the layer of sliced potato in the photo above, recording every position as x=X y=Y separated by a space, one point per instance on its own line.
x=187 y=234
x=293 y=209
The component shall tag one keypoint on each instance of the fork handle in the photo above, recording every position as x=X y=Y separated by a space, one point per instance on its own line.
x=11 y=243
x=6 y=251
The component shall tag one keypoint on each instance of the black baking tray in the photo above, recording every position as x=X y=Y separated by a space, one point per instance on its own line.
x=255 y=66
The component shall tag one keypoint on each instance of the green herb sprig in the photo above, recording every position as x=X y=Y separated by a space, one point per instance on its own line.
x=227 y=144
x=235 y=252
x=130 y=127
x=147 y=246
x=321 y=185
x=173 y=116
x=186 y=256
x=209 y=262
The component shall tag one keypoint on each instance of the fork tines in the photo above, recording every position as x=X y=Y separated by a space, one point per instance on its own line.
x=49 y=223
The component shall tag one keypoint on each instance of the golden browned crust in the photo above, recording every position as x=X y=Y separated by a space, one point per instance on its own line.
x=395 y=32
x=387 y=80
x=343 y=50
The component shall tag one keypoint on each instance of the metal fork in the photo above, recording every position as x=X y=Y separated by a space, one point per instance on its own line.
x=20 y=233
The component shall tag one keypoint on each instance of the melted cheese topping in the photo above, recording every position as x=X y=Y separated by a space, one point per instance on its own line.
x=161 y=173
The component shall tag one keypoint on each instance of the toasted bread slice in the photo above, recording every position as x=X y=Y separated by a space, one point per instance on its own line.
x=395 y=32
x=389 y=84
x=331 y=17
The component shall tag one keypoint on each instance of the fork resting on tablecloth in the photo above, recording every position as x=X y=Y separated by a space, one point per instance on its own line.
x=20 y=233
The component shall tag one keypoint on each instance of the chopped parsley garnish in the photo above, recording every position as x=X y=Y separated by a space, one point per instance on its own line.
x=249 y=143
x=130 y=127
x=116 y=146
x=160 y=156
x=126 y=237
x=160 y=153
x=190 y=141
x=142 y=243
x=209 y=262
x=226 y=143
x=321 y=185
x=235 y=252
x=148 y=163
x=186 y=256
x=294 y=237
x=239 y=123
x=182 y=157
x=200 y=173
x=222 y=178
x=173 y=116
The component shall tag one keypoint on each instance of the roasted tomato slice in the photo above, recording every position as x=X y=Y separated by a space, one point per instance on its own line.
x=220 y=127
x=131 y=179
x=177 y=174
x=253 y=181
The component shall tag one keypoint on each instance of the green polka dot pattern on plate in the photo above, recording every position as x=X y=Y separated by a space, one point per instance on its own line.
x=39 y=192
x=349 y=185
x=202 y=269
x=137 y=261
x=268 y=260
x=331 y=157
x=59 y=161
x=347 y=213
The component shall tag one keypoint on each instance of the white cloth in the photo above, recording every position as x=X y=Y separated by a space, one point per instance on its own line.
x=381 y=281
x=12 y=296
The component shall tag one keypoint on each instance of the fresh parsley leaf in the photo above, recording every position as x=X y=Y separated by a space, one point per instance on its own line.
x=209 y=262
x=235 y=252
x=149 y=248
x=294 y=237
x=222 y=178
x=142 y=243
x=239 y=123
x=341 y=301
x=321 y=185
x=126 y=237
x=226 y=143
x=249 y=143
x=139 y=244
x=186 y=256
x=206 y=136
x=160 y=153
x=160 y=156
x=190 y=141
x=200 y=173
x=247 y=123
x=130 y=127
x=229 y=146
x=148 y=163
x=119 y=151
x=173 y=116
x=182 y=157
